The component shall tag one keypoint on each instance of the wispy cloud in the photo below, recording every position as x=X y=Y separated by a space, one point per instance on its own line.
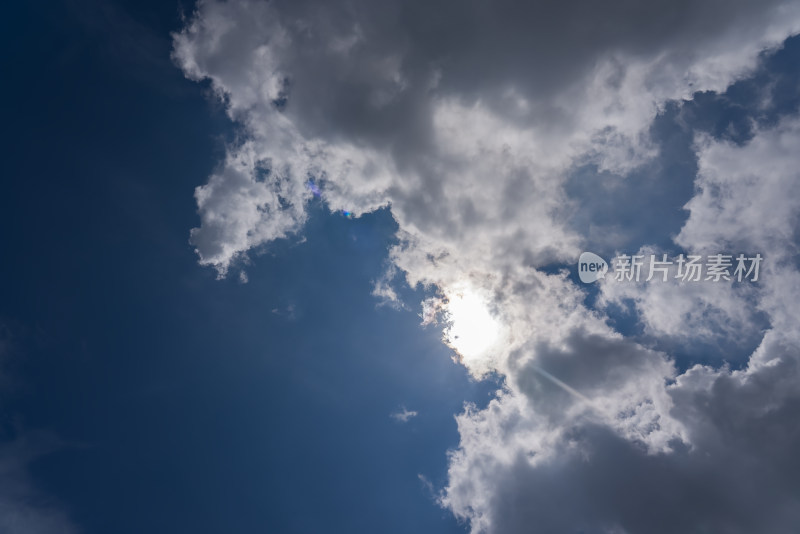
x=24 y=507
x=403 y=415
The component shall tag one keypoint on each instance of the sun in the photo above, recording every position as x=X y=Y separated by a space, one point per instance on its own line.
x=471 y=329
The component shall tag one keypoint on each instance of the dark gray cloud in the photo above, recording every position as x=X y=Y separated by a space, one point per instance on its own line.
x=594 y=365
x=391 y=103
x=738 y=476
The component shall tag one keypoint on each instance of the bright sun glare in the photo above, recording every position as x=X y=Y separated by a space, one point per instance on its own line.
x=472 y=330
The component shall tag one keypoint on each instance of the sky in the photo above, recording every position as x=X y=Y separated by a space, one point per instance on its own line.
x=302 y=266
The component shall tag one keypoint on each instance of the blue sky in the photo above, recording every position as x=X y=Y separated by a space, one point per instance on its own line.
x=174 y=401
x=192 y=340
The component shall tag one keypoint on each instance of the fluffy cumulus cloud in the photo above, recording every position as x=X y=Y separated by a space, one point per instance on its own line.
x=471 y=120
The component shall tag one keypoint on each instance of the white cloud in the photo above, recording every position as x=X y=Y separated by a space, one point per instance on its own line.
x=431 y=147
x=468 y=127
x=748 y=196
x=727 y=441
x=688 y=312
x=404 y=415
